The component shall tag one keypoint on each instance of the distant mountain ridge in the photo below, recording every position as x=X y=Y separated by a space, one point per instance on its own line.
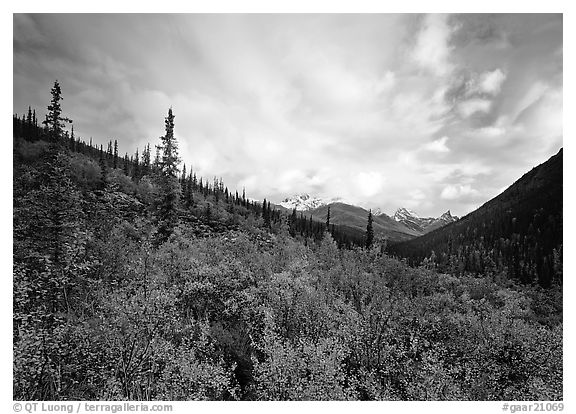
x=405 y=224
x=356 y=218
x=422 y=224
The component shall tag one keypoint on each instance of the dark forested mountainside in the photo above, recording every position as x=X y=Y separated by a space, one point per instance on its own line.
x=231 y=300
x=518 y=233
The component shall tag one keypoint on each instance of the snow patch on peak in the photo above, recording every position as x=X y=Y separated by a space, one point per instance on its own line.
x=447 y=216
x=404 y=213
x=423 y=224
x=302 y=202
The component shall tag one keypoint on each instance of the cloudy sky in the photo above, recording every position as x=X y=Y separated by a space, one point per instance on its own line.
x=429 y=112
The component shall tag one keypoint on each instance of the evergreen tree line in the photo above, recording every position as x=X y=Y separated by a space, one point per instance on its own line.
x=164 y=167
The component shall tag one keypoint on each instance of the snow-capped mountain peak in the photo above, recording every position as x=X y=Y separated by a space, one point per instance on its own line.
x=302 y=202
x=447 y=217
x=424 y=224
x=404 y=214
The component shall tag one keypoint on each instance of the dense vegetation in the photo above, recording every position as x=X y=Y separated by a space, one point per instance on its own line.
x=518 y=233
x=232 y=300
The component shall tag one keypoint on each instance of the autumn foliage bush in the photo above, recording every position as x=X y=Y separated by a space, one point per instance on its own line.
x=250 y=313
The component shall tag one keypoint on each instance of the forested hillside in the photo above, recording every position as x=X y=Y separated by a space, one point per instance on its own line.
x=134 y=280
x=355 y=218
x=517 y=234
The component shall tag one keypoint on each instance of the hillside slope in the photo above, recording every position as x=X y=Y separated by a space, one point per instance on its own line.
x=357 y=218
x=233 y=308
x=519 y=232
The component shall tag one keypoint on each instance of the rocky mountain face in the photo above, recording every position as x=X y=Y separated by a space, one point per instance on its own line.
x=422 y=224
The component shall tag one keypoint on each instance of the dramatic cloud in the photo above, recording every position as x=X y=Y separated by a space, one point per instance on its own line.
x=431 y=112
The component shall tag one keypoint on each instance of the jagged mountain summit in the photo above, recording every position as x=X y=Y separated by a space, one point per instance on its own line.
x=405 y=214
x=422 y=224
x=447 y=217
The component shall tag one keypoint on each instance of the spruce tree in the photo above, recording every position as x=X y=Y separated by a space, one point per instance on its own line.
x=292 y=223
x=183 y=179
x=136 y=169
x=189 y=197
x=328 y=220
x=73 y=141
x=28 y=127
x=34 y=125
x=126 y=165
x=369 y=231
x=16 y=126
x=146 y=161
x=216 y=188
x=103 y=169
x=156 y=163
x=168 y=176
x=266 y=213
x=51 y=213
x=115 y=160
x=54 y=121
